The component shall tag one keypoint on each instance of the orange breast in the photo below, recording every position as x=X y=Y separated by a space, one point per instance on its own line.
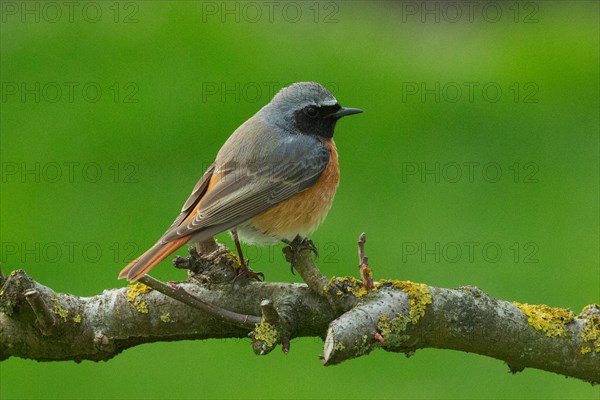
x=303 y=212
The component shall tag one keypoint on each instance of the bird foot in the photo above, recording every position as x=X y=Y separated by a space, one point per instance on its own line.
x=245 y=274
x=294 y=247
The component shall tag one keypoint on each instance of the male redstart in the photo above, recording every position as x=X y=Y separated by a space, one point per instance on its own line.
x=273 y=180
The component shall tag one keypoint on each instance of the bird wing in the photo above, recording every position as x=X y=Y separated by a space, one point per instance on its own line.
x=234 y=191
x=194 y=197
x=244 y=190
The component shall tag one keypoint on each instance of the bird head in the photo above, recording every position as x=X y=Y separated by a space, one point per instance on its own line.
x=307 y=108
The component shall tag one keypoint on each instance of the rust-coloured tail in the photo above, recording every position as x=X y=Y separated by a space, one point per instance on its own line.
x=144 y=263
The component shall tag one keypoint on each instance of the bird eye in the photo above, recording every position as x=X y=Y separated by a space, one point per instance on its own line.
x=311 y=111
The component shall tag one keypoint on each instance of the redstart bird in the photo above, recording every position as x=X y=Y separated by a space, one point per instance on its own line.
x=273 y=180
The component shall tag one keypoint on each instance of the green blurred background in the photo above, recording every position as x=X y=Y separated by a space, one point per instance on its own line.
x=176 y=78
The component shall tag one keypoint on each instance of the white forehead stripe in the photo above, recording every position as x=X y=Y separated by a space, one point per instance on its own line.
x=331 y=102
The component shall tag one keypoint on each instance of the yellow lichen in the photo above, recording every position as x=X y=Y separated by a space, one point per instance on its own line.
x=59 y=309
x=340 y=346
x=365 y=338
x=133 y=291
x=141 y=306
x=590 y=307
x=235 y=260
x=77 y=319
x=165 y=317
x=345 y=285
x=266 y=333
x=393 y=330
x=418 y=296
x=383 y=325
x=591 y=331
x=550 y=320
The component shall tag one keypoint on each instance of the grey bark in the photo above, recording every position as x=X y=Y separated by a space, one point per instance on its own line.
x=38 y=323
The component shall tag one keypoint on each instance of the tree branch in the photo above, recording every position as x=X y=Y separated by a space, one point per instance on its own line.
x=398 y=316
x=178 y=293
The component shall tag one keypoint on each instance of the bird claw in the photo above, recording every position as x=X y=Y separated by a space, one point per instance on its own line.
x=246 y=274
x=292 y=251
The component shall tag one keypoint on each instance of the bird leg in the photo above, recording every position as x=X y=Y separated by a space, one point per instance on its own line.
x=244 y=271
x=238 y=246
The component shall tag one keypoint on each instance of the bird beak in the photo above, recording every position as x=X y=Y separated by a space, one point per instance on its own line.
x=342 y=112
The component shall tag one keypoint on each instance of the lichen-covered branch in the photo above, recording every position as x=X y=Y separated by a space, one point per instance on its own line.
x=352 y=317
x=467 y=319
x=100 y=327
